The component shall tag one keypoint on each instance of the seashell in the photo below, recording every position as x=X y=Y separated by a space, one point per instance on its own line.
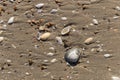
x=1 y=39
x=40 y=5
x=45 y=36
x=11 y=20
x=72 y=56
x=89 y=40
x=66 y=30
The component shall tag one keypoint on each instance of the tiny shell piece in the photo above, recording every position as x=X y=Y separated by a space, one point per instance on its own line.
x=66 y=30
x=11 y=20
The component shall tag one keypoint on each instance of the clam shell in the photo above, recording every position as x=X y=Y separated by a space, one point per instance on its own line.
x=66 y=30
x=72 y=56
x=45 y=36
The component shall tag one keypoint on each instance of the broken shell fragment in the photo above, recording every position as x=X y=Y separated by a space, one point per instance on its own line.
x=11 y=20
x=45 y=36
x=89 y=40
x=72 y=56
x=66 y=30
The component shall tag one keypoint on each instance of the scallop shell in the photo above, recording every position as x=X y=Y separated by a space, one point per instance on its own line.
x=66 y=30
x=72 y=56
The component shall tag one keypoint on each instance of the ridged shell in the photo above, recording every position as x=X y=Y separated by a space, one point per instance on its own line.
x=66 y=30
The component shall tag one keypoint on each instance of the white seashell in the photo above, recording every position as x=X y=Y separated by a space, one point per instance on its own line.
x=40 y=5
x=72 y=56
x=89 y=40
x=66 y=30
x=11 y=20
x=1 y=39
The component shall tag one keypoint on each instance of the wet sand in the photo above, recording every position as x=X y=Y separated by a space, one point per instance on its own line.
x=23 y=57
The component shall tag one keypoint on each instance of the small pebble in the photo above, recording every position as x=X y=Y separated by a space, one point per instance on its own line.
x=63 y=18
x=40 y=5
x=50 y=54
x=95 y=21
x=107 y=55
x=117 y=8
x=11 y=20
x=59 y=40
x=53 y=11
x=53 y=60
x=45 y=61
x=89 y=40
x=1 y=39
x=115 y=78
x=44 y=36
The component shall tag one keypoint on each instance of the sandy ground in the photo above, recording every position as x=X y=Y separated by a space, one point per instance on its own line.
x=23 y=57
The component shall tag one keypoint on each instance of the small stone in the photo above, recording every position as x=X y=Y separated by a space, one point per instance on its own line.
x=52 y=48
x=40 y=5
x=89 y=40
x=53 y=60
x=11 y=20
x=50 y=54
x=44 y=36
x=95 y=21
x=45 y=61
x=53 y=11
x=59 y=40
x=117 y=8
x=1 y=39
x=64 y=18
x=27 y=73
x=107 y=55
x=66 y=30
x=115 y=78
x=9 y=61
